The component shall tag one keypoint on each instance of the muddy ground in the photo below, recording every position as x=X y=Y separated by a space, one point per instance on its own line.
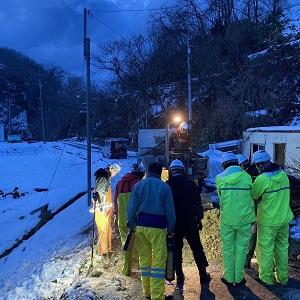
x=104 y=281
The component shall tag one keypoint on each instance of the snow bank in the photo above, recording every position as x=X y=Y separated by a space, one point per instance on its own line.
x=48 y=262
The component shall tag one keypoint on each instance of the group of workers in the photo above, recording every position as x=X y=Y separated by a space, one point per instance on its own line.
x=155 y=211
x=268 y=190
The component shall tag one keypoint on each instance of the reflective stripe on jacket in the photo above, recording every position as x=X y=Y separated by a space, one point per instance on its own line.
x=274 y=189
x=234 y=189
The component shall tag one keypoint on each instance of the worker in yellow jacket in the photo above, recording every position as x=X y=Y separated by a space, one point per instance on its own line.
x=273 y=217
x=103 y=214
x=237 y=213
x=123 y=192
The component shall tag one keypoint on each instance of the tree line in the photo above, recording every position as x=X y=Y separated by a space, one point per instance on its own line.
x=231 y=88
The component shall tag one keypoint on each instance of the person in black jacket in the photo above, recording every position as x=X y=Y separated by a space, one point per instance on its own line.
x=189 y=213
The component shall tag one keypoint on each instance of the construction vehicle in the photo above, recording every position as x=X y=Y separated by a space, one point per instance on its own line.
x=161 y=145
x=115 y=148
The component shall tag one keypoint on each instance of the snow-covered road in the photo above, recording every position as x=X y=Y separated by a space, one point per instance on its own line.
x=44 y=265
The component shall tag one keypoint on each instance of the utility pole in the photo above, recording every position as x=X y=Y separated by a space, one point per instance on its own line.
x=87 y=57
x=84 y=31
x=9 y=115
x=189 y=52
x=42 y=111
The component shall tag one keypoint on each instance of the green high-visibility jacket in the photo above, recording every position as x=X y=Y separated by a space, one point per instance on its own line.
x=234 y=189
x=274 y=189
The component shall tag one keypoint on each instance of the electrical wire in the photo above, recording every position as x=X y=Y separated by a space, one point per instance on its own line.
x=132 y=10
x=107 y=26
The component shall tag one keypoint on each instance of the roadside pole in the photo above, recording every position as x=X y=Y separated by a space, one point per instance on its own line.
x=42 y=111
x=87 y=57
x=9 y=115
x=189 y=85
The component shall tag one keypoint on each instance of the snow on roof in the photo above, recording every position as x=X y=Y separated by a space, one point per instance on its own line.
x=275 y=129
x=225 y=144
x=116 y=140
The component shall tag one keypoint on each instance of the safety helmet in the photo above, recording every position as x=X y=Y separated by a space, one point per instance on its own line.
x=241 y=158
x=229 y=157
x=137 y=168
x=260 y=156
x=116 y=166
x=184 y=126
x=176 y=164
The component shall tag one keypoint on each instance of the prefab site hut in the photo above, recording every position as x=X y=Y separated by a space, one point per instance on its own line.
x=281 y=142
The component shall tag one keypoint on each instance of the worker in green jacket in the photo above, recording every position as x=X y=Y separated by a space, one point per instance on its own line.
x=273 y=217
x=237 y=213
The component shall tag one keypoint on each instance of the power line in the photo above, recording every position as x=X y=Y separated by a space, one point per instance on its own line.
x=133 y=10
x=107 y=26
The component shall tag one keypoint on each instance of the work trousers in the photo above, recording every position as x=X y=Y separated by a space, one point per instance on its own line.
x=252 y=243
x=123 y=230
x=191 y=234
x=272 y=253
x=235 y=241
x=104 y=228
x=152 y=248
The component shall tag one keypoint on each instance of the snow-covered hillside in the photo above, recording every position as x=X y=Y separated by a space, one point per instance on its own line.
x=292 y=14
x=45 y=264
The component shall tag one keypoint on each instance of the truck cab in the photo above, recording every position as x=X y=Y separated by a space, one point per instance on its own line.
x=115 y=148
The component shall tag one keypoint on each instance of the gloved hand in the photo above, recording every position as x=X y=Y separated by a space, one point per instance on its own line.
x=130 y=228
x=115 y=220
x=96 y=196
x=108 y=211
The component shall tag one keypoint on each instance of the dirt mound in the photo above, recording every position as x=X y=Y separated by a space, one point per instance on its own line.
x=210 y=235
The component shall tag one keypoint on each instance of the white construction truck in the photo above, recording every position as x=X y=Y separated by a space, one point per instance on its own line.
x=154 y=145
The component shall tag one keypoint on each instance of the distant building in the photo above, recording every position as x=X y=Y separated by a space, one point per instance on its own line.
x=1 y=132
x=281 y=142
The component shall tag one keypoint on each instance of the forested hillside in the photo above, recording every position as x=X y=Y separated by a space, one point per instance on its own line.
x=233 y=88
x=245 y=72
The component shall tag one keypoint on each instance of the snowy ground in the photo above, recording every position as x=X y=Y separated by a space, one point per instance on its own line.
x=45 y=264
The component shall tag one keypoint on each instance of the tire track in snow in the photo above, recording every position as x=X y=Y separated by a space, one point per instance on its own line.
x=45 y=217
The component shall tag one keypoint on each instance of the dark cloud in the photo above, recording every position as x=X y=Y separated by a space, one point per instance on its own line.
x=50 y=31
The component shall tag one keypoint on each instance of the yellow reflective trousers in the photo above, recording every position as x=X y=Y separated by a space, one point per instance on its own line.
x=123 y=230
x=152 y=248
x=235 y=241
x=103 y=221
x=272 y=252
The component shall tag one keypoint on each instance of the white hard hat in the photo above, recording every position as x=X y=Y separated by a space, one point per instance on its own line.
x=176 y=164
x=260 y=156
x=228 y=157
x=184 y=126
x=241 y=158
x=116 y=166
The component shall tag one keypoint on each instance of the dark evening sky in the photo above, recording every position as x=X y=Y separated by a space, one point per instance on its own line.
x=50 y=31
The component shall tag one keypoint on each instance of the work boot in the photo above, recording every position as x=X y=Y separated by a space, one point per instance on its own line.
x=241 y=283
x=169 y=297
x=180 y=287
x=227 y=283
